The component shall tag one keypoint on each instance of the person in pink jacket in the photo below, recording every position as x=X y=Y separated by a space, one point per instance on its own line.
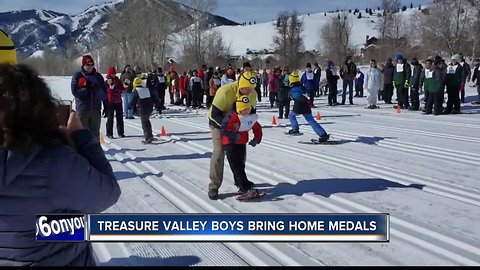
x=274 y=86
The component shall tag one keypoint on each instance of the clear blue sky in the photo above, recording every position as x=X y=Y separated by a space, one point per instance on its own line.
x=236 y=10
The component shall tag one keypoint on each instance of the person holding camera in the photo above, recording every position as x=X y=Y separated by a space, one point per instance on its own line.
x=88 y=88
x=47 y=165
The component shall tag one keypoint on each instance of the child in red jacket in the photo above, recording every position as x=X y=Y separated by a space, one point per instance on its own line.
x=235 y=128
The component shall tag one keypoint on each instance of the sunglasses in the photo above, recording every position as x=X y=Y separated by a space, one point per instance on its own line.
x=90 y=65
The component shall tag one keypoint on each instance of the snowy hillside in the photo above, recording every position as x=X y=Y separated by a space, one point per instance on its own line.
x=260 y=36
x=423 y=170
x=34 y=30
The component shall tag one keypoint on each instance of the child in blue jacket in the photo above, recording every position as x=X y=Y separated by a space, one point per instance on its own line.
x=301 y=106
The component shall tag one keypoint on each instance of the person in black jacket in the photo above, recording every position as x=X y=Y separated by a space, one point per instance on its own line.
x=145 y=97
x=332 y=79
x=466 y=74
x=415 y=85
x=348 y=72
x=476 y=78
x=388 y=72
x=152 y=85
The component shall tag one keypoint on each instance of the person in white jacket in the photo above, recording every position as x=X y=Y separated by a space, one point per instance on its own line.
x=373 y=82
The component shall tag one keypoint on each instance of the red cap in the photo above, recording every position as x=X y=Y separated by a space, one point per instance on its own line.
x=112 y=71
x=87 y=59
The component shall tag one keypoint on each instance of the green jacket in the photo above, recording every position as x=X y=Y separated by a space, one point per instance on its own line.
x=454 y=76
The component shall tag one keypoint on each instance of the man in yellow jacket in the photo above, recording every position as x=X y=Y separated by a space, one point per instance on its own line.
x=224 y=102
x=7 y=49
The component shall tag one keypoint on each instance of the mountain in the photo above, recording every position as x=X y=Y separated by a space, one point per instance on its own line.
x=34 y=30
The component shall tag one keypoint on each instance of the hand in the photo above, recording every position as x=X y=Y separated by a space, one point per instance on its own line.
x=110 y=81
x=406 y=84
x=73 y=124
x=254 y=142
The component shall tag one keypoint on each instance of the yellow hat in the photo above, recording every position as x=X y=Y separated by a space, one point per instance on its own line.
x=294 y=77
x=243 y=103
x=248 y=79
x=7 y=49
x=137 y=82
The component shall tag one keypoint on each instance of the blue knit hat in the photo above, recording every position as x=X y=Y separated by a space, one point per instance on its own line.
x=399 y=56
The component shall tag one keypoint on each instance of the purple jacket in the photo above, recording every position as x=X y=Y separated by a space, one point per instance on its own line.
x=310 y=82
x=89 y=97
x=51 y=180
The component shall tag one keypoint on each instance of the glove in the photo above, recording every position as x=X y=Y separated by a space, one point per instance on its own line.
x=406 y=84
x=254 y=142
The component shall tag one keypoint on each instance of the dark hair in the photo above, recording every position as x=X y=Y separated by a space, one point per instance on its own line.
x=309 y=65
x=30 y=118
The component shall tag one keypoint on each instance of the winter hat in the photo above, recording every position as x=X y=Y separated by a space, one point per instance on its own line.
x=330 y=64
x=7 y=49
x=399 y=56
x=294 y=77
x=87 y=59
x=160 y=70
x=112 y=71
x=137 y=82
x=438 y=59
x=247 y=80
x=243 y=103
x=456 y=57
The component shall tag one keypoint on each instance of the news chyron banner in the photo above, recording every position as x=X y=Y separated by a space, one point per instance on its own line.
x=215 y=227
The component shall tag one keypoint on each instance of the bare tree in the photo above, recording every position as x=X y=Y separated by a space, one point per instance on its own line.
x=195 y=36
x=288 y=39
x=446 y=25
x=335 y=38
x=142 y=30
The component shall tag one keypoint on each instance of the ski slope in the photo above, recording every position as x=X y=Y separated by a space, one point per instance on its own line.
x=423 y=170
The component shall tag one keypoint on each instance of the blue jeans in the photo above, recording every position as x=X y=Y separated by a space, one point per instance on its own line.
x=348 y=83
x=309 y=117
x=127 y=98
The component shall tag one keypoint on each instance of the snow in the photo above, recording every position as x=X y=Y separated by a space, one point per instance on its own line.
x=260 y=36
x=422 y=170
x=22 y=24
x=37 y=54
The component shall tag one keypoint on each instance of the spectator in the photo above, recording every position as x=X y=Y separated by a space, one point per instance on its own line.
x=45 y=168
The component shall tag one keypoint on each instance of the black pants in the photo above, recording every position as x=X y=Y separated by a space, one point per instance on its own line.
x=236 y=156
x=387 y=93
x=273 y=98
x=284 y=104
x=197 y=98
x=453 y=99
x=402 y=96
x=146 y=125
x=359 y=90
x=172 y=98
x=189 y=98
x=117 y=110
x=427 y=94
x=415 y=98
x=259 y=94
x=161 y=96
x=265 y=91
x=311 y=95
x=210 y=100
x=332 y=94
x=435 y=100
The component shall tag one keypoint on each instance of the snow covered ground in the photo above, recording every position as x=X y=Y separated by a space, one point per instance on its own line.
x=423 y=170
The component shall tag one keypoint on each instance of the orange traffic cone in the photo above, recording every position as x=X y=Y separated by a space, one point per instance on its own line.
x=274 y=121
x=102 y=141
x=398 y=108
x=164 y=132
x=319 y=117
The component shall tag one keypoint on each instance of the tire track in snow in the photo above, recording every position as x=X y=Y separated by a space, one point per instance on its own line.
x=184 y=198
x=365 y=112
x=431 y=151
x=410 y=232
x=431 y=185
